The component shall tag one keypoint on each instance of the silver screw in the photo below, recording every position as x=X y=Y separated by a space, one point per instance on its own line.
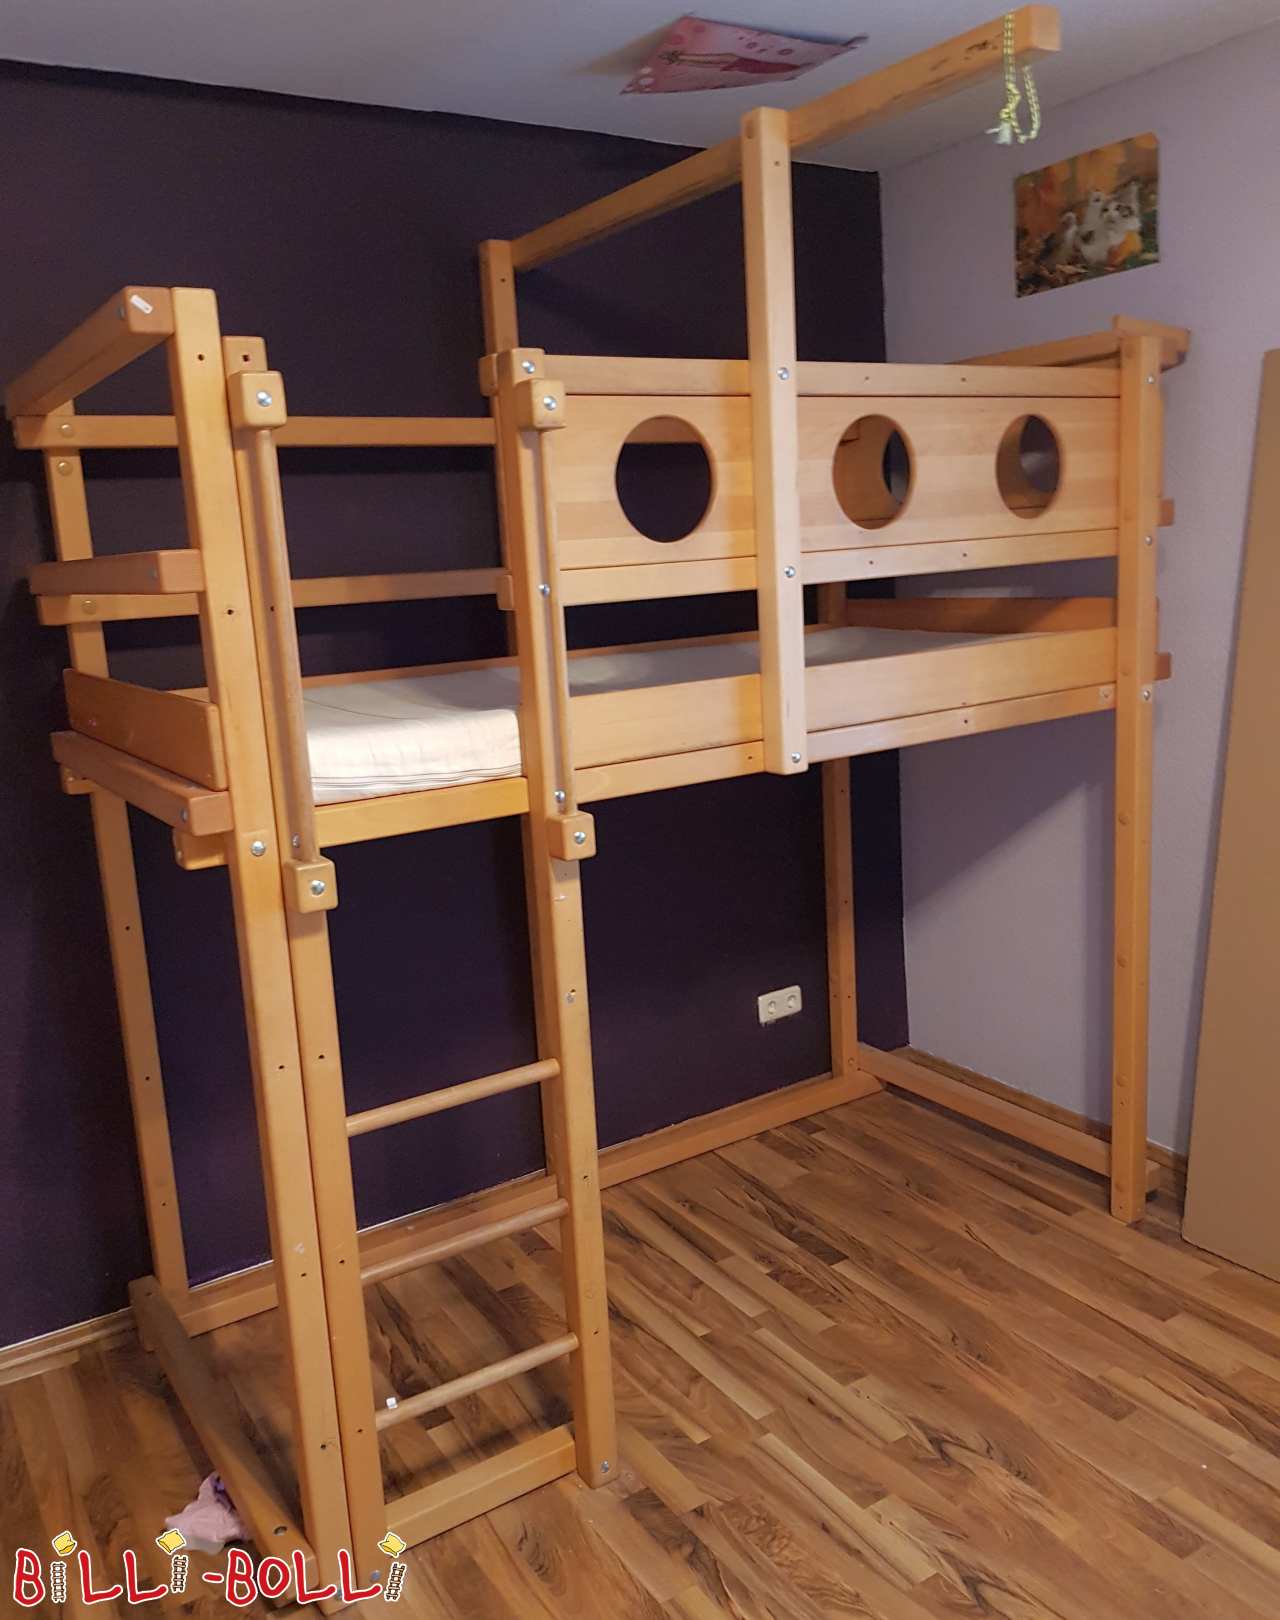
x=64 y=467
x=784 y=373
x=544 y=590
x=528 y=365
x=296 y=841
x=1146 y=694
x=392 y=1403
x=789 y=572
x=795 y=759
x=89 y=606
x=264 y=398
x=604 y=1467
x=186 y=815
x=1150 y=378
x=66 y=429
x=1149 y=540
x=119 y=312
x=550 y=401
x=572 y=996
x=257 y=847
x=318 y=886
x=559 y=795
x=579 y=838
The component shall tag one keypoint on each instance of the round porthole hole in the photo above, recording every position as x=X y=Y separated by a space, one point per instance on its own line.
x=872 y=471
x=663 y=478
x=1029 y=466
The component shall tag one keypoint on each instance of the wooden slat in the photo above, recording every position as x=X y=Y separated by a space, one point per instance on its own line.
x=771 y=341
x=132 y=321
x=435 y=1102
x=462 y=1242
x=1093 y=348
x=358 y=819
x=322 y=591
x=161 y=794
x=150 y=573
x=671 y=771
x=300 y=432
x=1136 y=620
x=179 y=734
x=951 y=556
x=636 y=374
x=643 y=582
x=826 y=378
x=499 y=1372
x=458 y=1497
x=205 y=1400
x=955 y=65
x=341 y=589
x=990 y=614
x=967 y=720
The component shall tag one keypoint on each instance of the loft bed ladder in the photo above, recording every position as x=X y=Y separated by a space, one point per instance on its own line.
x=228 y=409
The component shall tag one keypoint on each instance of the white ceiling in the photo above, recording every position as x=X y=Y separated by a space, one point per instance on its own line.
x=563 y=62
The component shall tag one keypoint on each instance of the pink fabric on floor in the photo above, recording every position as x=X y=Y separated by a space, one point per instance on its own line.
x=211 y=1520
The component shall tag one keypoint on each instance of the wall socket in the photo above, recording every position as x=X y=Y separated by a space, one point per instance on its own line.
x=775 y=1004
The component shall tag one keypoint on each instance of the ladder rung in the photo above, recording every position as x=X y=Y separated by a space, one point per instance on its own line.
x=446 y=1248
x=434 y=1102
x=445 y=1394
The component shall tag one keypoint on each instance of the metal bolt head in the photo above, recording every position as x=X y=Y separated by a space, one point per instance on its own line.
x=64 y=467
x=318 y=886
x=186 y=815
x=1146 y=694
x=572 y=996
x=579 y=838
x=550 y=402
x=784 y=373
x=559 y=795
x=795 y=759
x=264 y=398
x=1148 y=540
x=605 y=1467
x=528 y=365
x=296 y=841
x=119 y=312
x=66 y=429
x=257 y=847
x=544 y=590
x=88 y=605
x=789 y=572
x=1150 y=378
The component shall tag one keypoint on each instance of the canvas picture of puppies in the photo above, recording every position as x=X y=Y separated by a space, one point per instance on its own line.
x=1092 y=215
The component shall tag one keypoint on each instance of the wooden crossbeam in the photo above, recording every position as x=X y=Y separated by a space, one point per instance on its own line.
x=176 y=733
x=928 y=76
x=471 y=1491
x=56 y=431
x=130 y=322
x=160 y=793
x=146 y=573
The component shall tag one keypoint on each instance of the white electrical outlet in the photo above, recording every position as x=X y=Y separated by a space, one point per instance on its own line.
x=775 y=1004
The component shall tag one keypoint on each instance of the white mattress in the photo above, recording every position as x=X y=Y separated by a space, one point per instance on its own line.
x=371 y=738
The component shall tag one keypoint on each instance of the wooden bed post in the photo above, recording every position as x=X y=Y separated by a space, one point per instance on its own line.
x=257 y=476
x=235 y=685
x=771 y=341
x=73 y=540
x=556 y=834
x=1136 y=626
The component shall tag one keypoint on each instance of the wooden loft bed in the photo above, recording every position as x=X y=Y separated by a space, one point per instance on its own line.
x=254 y=772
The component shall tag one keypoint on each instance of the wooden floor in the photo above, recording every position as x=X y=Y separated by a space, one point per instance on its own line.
x=877 y=1364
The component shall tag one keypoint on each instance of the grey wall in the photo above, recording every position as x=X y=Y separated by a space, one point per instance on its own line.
x=1007 y=838
x=346 y=236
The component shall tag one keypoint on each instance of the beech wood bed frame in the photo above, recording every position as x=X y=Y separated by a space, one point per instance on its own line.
x=227 y=766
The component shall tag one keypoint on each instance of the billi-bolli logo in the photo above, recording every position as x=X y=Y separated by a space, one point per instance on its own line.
x=242 y=1581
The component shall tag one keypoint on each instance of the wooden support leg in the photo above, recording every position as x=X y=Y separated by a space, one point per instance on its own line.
x=227 y=634
x=321 y=1057
x=1140 y=482
x=842 y=988
x=73 y=539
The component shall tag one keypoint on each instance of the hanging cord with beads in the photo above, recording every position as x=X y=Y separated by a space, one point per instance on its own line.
x=1009 y=125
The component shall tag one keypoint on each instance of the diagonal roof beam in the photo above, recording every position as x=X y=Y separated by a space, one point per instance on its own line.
x=957 y=64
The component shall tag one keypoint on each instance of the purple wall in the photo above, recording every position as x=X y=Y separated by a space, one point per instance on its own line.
x=346 y=236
